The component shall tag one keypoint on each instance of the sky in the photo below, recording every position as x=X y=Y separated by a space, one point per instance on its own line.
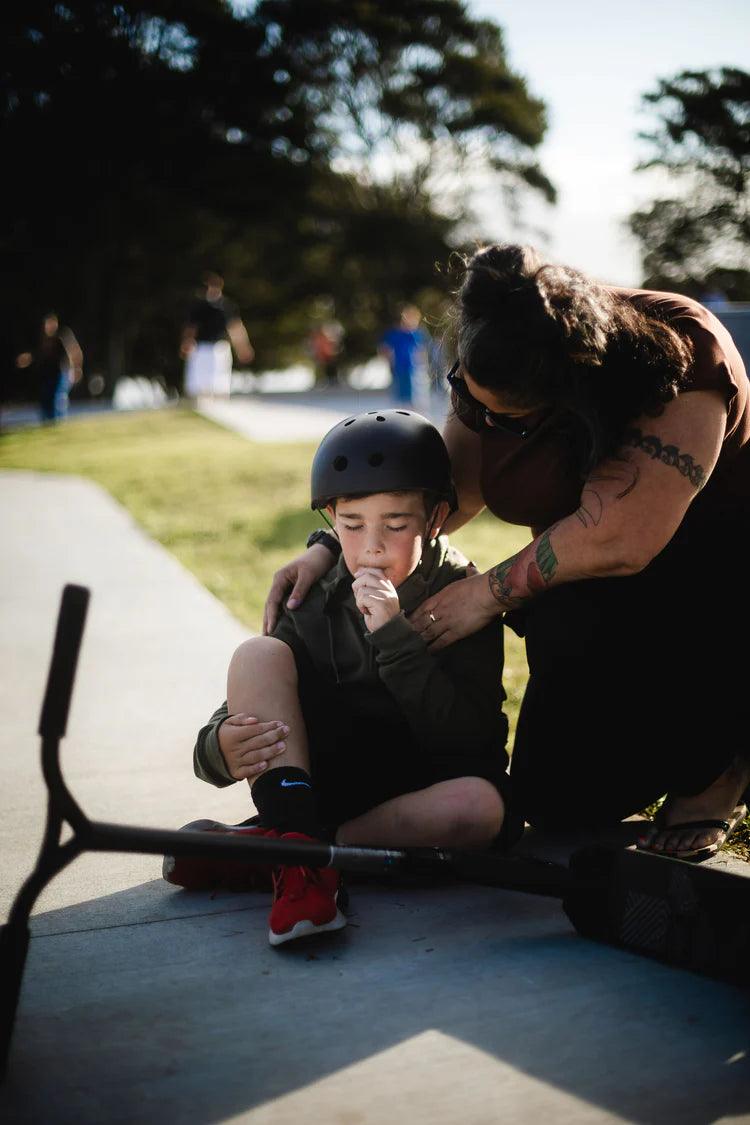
x=591 y=61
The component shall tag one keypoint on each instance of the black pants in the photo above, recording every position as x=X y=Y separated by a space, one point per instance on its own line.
x=635 y=691
x=363 y=751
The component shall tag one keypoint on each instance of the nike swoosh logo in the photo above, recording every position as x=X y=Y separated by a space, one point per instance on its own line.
x=287 y=784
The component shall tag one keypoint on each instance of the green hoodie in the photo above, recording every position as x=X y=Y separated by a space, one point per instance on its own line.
x=450 y=700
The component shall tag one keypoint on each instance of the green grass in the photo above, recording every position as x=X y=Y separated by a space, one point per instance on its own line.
x=232 y=511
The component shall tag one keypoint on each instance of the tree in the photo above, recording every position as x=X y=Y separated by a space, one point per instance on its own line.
x=700 y=237
x=149 y=140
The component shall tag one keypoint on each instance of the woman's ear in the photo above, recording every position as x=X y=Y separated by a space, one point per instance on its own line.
x=439 y=515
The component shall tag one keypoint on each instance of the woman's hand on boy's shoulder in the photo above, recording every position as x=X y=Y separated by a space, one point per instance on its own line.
x=298 y=575
x=458 y=610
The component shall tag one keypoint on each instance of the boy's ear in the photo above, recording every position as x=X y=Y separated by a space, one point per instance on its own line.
x=439 y=515
x=331 y=512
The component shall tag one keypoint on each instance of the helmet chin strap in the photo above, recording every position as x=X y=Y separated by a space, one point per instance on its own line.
x=428 y=532
x=432 y=525
x=324 y=513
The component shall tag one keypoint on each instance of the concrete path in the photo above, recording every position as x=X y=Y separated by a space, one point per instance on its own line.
x=306 y=416
x=144 y=1004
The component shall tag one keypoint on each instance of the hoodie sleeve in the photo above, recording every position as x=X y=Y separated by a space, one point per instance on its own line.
x=453 y=699
x=208 y=760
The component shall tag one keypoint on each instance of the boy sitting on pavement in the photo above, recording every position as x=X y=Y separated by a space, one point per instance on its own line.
x=342 y=722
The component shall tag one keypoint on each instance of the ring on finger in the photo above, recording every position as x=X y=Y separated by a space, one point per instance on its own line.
x=432 y=618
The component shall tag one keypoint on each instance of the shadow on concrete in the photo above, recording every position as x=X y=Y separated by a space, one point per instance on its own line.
x=189 y=1016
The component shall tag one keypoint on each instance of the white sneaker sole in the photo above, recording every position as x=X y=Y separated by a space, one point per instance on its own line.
x=305 y=928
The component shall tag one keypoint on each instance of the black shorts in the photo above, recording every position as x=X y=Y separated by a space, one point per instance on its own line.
x=363 y=752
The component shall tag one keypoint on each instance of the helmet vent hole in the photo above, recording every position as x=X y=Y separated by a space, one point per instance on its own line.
x=349 y=422
x=375 y=459
x=340 y=464
x=380 y=418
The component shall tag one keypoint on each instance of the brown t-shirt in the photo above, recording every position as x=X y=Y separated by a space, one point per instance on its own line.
x=534 y=481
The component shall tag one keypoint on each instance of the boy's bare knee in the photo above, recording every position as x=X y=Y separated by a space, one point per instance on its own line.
x=259 y=648
x=473 y=811
x=262 y=652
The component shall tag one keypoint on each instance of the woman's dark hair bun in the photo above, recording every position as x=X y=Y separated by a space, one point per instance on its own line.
x=496 y=275
x=552 y=303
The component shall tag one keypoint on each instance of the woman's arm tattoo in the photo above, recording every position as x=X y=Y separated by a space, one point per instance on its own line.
x=546 y=559
x=513 y=582
x=668 y=455
x=502 y=585
x=591 y=508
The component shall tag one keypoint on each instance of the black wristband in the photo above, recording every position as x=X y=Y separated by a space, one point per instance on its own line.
x=327 y=540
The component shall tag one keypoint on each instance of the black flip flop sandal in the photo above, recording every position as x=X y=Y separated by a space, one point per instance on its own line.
x=697 y=855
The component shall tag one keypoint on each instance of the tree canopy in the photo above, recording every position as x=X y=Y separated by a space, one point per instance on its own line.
x=305 y=151
x=698 y=238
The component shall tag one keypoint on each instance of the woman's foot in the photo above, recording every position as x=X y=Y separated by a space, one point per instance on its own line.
x=677 y=830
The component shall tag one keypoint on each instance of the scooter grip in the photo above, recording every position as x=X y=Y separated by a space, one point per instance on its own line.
x=70 y=621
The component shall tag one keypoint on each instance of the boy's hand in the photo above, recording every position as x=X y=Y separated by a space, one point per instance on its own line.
x=247 y=744
x=375 y=596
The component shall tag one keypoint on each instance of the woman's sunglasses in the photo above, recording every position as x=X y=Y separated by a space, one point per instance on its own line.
x=520 y=426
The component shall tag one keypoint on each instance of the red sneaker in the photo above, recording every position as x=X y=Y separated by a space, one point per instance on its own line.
x=206 y=873
x=305 y=900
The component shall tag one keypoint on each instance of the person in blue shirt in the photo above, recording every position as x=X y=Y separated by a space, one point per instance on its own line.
x=406 y=346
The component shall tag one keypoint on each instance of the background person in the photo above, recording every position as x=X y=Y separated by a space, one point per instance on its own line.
x=324 y=346
x=213 y=328
x=55 y=364
x=406 y=347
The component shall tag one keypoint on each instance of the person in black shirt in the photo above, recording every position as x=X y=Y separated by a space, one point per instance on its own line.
x=55 y=364
x=213 y=328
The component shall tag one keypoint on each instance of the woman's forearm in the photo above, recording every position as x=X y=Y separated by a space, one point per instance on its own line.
x=530 y=571
x=560 y=554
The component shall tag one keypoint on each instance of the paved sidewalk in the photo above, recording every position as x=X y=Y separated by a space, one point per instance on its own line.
x=306 y=416
x=268 y=416
x=144 y=1004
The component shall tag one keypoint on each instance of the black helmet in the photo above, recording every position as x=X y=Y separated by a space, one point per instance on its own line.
x=381 y=451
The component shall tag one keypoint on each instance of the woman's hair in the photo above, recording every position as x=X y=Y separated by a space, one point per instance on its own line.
x=542 y=334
